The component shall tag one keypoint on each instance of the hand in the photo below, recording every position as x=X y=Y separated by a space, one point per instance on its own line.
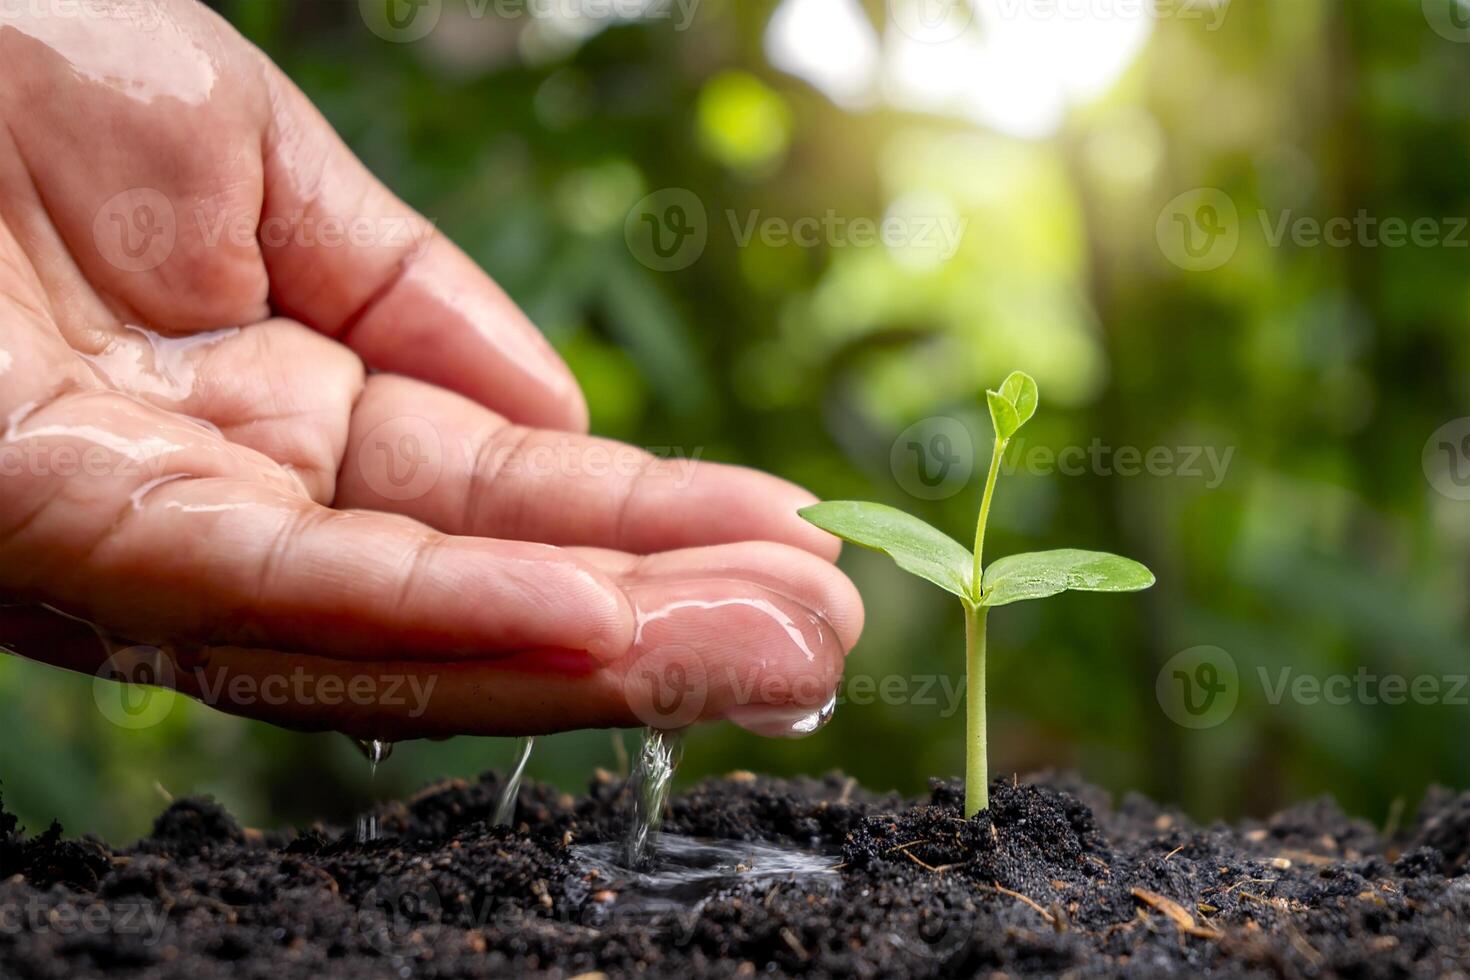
x=195 y=277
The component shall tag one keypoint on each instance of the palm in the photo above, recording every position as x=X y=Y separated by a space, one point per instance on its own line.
x=184 y=467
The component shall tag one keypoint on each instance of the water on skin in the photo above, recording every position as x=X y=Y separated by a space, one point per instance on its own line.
x=783 y=721
x=374 y=751
x=505 y=807
x=649 y=790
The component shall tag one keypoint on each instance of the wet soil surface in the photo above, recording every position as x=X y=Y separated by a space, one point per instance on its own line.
x=1051 y=880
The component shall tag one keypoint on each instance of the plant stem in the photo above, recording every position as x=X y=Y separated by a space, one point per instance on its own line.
x=977 y=765
x=995 y=458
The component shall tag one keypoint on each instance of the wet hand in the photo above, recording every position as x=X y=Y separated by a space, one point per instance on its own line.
x=257 y=412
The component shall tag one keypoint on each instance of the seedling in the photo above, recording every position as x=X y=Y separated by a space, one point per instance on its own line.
x=930 y=554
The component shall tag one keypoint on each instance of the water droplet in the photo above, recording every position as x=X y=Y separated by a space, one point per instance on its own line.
x=783 y=721
x=649 y=787
x=505 y=808
x=375 y=751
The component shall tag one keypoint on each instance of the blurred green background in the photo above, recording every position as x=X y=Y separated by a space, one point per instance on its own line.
x=1060 y=137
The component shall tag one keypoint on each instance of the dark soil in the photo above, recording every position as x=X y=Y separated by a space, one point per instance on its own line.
x=1052 y=880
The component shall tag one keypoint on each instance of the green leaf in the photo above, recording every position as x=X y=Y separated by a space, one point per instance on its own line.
x=918 y=548
x=1020 y=390
x=1002 y=415
x=1038 y=574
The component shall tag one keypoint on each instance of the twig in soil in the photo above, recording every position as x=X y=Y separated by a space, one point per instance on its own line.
x=847 y=788
x=912 y=843
x=1175 y=851
x=1051 y=920
x=927 y=866
x=1176 y=913
x=1302 y=946
x=1245 y=881
x=795 y=944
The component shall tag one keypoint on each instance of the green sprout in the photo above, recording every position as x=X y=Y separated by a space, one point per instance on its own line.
x=930 y=554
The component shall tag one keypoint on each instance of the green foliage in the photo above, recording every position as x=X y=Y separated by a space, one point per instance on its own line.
x=1038 y=574
x=917 y=547
x=1320 y=547
x=930 y=554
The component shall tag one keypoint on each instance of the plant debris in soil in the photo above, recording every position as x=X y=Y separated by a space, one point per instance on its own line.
x=1050 y=880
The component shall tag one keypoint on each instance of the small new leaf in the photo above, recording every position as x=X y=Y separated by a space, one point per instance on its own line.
x=1020 y=390
x=1002 y=415
x=915 y=546
x=1038 y=574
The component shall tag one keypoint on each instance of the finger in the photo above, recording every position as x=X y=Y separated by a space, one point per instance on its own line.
x=446 y=461
x=707 y=650
x=169 y=532
x=393 y=288
x=805 y=578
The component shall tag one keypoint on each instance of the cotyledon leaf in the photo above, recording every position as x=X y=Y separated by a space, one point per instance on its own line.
x=917 y=547
x=1038 y=574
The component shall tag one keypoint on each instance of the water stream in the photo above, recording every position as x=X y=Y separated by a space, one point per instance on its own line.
x=375 y=751
x=683 y=872
x=648 y=787
x=505 y=807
